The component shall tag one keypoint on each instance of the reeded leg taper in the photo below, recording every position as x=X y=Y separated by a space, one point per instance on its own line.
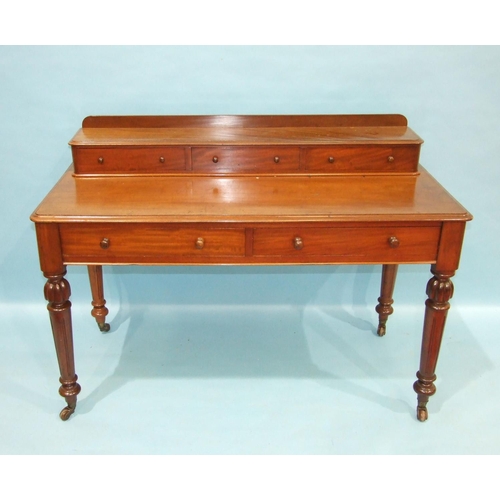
x=439 y=291
x=57 y=292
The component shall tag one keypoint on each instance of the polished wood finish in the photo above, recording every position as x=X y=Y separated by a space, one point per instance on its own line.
x=244 y=121
x=57 y=292
x=151 y=243
x=246 y=144
x=129 y=160
x=251 y=198
x=265 y=131
x=346 y=244
x=99 y=311
x=245 y=160
x=204 y=243
x=385 y=301
x=361 y=159
x=245 y=190
x=439 y=291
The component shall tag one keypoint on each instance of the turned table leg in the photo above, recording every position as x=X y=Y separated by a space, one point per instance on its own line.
x=439 y=291
x=384 y=307
x=57 y=292
x=99 y=311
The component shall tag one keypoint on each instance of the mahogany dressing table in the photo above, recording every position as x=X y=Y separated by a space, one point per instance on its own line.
x=243 y=190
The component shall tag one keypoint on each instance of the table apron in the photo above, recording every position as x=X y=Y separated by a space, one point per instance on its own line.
x=281 y=243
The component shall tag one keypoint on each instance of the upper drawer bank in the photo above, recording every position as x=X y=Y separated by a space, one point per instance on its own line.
x=246 y=145
x=341 y=159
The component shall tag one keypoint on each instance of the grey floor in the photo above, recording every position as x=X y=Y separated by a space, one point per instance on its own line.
x=215 y=379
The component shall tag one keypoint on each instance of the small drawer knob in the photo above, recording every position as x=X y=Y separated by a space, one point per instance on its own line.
x=276 y=159
x=390 y=159
x=331 y=159
x=298 y=243
x=105 y=243
x=162 y=159
x=100 y=160
x=393 y=242
x=215 y=159
x=199 y=243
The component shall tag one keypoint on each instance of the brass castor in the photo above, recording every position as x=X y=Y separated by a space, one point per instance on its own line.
x=66 y=412
x=104 y=327
x=422 y=413
x=381 y=329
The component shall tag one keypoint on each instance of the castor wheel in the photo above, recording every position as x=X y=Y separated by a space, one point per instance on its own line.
x=66 y=412
x=381 y=330
x=422 y=413
x=104 y=327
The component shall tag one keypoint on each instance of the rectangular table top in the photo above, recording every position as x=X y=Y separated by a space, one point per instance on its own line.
x=249 y=198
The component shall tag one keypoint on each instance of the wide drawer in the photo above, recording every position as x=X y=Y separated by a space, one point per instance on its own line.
x=348 y=244
x=361 y=159
x=129 y=160
x=151 y=243
x=245 y=159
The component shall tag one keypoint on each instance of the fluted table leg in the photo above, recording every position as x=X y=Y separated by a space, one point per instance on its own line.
x=57 y=292
x=439 y=291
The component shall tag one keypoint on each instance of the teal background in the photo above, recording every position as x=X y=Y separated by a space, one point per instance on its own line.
x=450 y=95
x=262 y=360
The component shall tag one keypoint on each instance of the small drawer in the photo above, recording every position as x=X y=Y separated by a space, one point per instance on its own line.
x=349 y=244
x=128 y=160
x=152 y=243
x=361 y=159
x=245 y=159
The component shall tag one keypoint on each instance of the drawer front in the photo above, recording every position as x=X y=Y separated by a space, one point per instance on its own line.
x=390 y=244
x=361 y=159
x=129 y=160
x=152 y=243
x=245 y=160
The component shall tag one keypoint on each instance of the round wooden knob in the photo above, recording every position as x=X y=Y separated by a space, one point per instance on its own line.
x=276 y=159
x=215 y=159
x=390 y=159
x=162 y=159
x=100 y=160
x=105 y=243
x=298 y=243
x=199 y=243
x=393 y=242
x=331 y=159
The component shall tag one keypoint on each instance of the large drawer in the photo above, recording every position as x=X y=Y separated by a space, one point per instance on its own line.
x=361 y=159
x=245 y=159
x=148 y=243
x=391 y=244
x=129 y=160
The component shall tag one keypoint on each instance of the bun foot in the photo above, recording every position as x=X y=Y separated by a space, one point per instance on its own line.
x=66 y=412
x=381 y=330
x=104 y=327
x=422 y=413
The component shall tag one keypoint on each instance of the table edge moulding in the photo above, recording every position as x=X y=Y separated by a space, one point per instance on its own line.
x=248 y=190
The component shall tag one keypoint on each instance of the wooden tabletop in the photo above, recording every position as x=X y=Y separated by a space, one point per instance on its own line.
x=193 y=198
